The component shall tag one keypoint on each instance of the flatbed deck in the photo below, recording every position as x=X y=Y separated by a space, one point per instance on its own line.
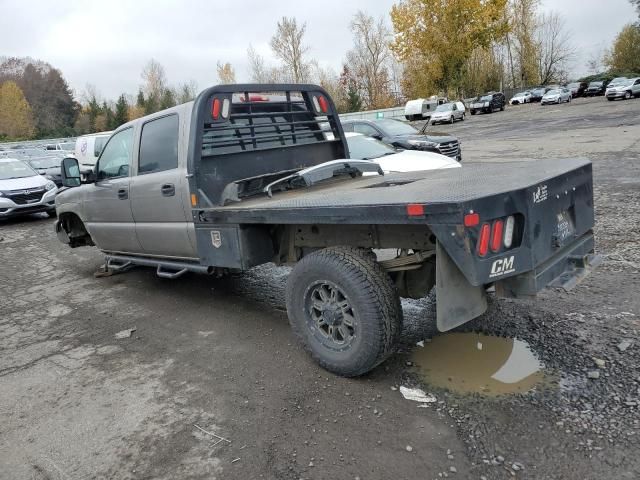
x=355 y=201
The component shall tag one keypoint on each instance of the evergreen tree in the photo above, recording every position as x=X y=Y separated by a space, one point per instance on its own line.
x=121 y=114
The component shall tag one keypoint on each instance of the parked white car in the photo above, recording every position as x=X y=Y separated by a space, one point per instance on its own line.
x=626 y=90
x=89 y=147
x=556 y=95
x=447 y=112
x=362 y=147
x=23 y=190
x=521 y=97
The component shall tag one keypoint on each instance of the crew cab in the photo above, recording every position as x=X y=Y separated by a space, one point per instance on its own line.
x=244 y=175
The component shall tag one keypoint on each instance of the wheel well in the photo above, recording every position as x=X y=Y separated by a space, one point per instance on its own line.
x=77 y=232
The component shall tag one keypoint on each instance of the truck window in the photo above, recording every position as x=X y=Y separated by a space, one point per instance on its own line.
x=114 y=161
x=98 y=145
x=159 y=145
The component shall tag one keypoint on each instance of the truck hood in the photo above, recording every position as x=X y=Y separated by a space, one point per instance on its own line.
x=36 y=181
x=415 y=161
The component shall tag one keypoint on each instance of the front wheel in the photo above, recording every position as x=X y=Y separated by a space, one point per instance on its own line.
x=627 y=95
x=345 y=309
x=473 y=112
x=51 y=213
x=451 y=120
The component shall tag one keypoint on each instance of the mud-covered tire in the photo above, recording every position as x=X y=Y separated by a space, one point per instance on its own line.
x=374 y=309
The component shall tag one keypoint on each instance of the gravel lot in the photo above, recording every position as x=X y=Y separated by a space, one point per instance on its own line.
x=76 y=403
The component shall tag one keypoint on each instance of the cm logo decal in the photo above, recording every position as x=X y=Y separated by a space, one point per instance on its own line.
x=502 y=266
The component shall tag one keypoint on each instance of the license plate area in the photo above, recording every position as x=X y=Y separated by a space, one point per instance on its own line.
x=565 y=229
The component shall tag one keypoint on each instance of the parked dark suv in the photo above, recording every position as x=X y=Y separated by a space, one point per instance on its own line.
x=596 y=88
x=400 y=134
x=578 y=88
x=488 y=103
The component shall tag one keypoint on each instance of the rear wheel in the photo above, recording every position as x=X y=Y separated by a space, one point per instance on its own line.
x=345 y=309
x=473 y=112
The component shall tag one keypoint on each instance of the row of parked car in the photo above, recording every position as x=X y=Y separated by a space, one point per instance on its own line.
x=621 y=87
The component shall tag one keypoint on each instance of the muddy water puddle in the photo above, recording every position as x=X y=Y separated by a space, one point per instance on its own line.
x=476 y=363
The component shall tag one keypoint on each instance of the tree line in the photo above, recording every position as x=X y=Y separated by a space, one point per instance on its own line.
x=456 y=48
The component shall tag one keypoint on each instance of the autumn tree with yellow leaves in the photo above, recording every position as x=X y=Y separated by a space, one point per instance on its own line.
x=16 y=117
x=435 y=39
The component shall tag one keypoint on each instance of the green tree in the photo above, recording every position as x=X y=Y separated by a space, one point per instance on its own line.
x=434 y=38
x=168 y=99
x=121 y=114
x=108 y=116
x=624 y=55
x=16 y=118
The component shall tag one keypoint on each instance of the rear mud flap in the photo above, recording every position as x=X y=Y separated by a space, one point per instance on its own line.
x=457 y=301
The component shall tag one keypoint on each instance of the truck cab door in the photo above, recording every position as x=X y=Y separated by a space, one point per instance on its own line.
x=160 y=193
x=107 y=203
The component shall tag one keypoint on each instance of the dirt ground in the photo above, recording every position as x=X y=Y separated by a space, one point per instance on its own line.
x=77 y=403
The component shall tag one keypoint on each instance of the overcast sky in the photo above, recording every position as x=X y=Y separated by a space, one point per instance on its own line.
x=106 y=43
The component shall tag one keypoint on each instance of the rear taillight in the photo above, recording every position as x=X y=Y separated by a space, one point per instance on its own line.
x=483 y=240
x=509 y=227
x=496 y=235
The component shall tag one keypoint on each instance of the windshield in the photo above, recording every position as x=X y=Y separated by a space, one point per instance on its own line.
x=573 y=85
x=521 y=94
x=595 y=84
x=396 y=127
x=67 y=146
x=366 y=148
x=486 y=98
x=445 y=107
x=554 y=92
x=47 y=162
x=15 y=169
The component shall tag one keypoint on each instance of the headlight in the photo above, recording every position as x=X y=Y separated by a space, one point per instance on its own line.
x=50 y=185
x=422 y=143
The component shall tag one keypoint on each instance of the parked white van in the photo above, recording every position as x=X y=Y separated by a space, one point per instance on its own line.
x=88 y=148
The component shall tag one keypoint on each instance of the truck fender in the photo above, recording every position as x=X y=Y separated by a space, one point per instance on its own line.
x=457 y=301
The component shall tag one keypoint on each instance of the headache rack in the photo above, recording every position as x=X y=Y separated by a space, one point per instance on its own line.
x=242 y=133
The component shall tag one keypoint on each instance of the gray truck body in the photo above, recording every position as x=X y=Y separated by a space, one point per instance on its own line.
x=235 y=199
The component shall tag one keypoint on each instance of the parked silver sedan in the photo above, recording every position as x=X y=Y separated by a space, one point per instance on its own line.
x=447 y=112
x=556 y=95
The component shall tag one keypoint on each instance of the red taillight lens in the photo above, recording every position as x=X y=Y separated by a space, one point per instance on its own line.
x=215 y=108
x=483 y=241
x=415 y=210
x=496 y=235
x=324 y=105
x=471 y=220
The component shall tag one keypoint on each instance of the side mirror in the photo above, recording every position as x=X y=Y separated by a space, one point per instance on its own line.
x=377 y=136
x=70 y=172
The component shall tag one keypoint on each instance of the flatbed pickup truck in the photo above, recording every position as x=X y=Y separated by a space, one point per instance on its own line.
x=244 y=175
